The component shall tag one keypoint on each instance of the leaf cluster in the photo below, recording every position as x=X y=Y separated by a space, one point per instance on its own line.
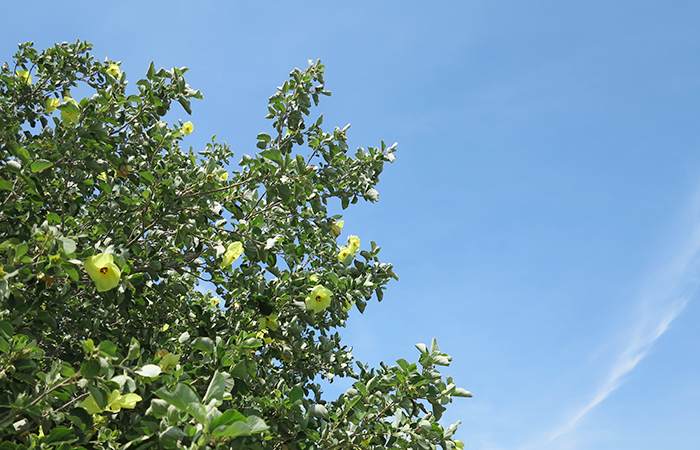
x=158 y=361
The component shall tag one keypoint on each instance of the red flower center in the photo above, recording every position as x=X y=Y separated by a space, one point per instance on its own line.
x=104 y=270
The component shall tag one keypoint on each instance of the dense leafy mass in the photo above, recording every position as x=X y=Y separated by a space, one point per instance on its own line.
x=111 y=235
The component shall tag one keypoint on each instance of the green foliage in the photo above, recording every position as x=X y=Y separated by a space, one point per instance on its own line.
x=149 y=360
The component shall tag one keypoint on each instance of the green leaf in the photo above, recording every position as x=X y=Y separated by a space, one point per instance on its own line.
x=6 y=185
x=196 y=410
x=185 y=104
x=101 y=398
x=134 y=350
x=216 y=389
x=48 y=319
x=99 y=129
x=360 y=387
x=295 y=394
x=23 y=154
x=151 y=71
x=301 y=165
x=148 y=176
x=90 y=368
x=108 y=349
x=159 y=408
x=182 y=398
x=227 y=418
x=460 y=392
x=318 y=411
x=70 y=270
x=6 y=330
x=69 y=245
x=403 y=364
x=58 y=434
x=234 y=430
x=272 y=154
x=442 y=360
x=204 y=344
x=239 y=371
x=434 y=347
x=422 y=348
x=256 y=424
x=21 y=250
x=334 y=278
x=438 y=409
x=172 y=435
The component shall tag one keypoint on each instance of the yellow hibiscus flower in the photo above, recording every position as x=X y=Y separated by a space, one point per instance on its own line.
x=233 y=251
x=187 y=128
x=319 y=299
x=115 y=402
x=25 y=76
x=103 y=271
x=70 y=113
x=344 y=252
x=51 y=104
x=113 y=70
x=269 y=322
x=354 y=244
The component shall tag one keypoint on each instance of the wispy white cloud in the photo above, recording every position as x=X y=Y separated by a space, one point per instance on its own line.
x=637 y=349
x=663 y=299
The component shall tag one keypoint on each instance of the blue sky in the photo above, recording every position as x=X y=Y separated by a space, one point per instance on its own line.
x=543 y=211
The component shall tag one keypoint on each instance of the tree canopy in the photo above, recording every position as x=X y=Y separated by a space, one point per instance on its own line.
x=153 y=297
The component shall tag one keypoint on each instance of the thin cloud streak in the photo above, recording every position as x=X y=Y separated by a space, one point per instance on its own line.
x=628 y=360
x=663 y=301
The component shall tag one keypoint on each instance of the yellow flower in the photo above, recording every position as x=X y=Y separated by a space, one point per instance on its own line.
x=214 y=302
x=319 y=299
x=337 y=227
x=115 y=402
x=102 y=176
x=232 y=253
x=187 y=128
x=126 y=401
x=343 y=253
x=70 y=113
x=263 y=335
x=313 y=278
x=354 y=244
x=103 y=271
x=113 y=70
x=25 y=76
x=224 y=176
x=165 y=327
x=269 y=322
x=51 y=104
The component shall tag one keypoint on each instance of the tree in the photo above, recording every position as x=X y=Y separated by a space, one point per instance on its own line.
x=110 y=234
